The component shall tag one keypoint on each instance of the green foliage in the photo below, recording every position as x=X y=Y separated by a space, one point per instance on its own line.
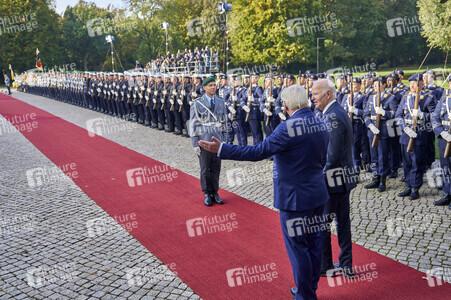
x=436 y=20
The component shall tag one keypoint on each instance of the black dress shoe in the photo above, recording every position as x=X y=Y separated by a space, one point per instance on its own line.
x=216 y=198
x=329 y=273
x=161 y=128
x=393 y=174
x=407 y=191
x=185 y=135
x=444 y=201
x=207 y=200
x=382 y=186
x=414 y=195
x=374 y=183
x=153 y=126
x=293 y=291
x=178 y=133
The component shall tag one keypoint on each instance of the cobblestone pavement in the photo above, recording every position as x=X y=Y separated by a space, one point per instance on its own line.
x=53 y=232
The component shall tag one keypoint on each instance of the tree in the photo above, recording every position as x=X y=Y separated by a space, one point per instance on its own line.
x=435 y=19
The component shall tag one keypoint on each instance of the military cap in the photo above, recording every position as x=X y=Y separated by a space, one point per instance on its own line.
x=255 y=74
x=416 y=77
x=399 y=72
x=269 y=75
x=430 y=71
x=245 y=75
x=382 y=79
x=356 y=80
x=197 y=76
x=208 y=80
x=223 y=76
x=322 y=75
x=395 y=76
x=313 y=76
x=281 y=76
x=290 y=76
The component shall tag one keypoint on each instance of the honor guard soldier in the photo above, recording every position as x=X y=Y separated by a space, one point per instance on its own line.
x=178 y=105
x=441 y=124
x=267 y=105
x=237 y=114
x=250 y=103
x=436 y=92
x=400 y=84
x=342 y=88
x=186 y=100
x=380 y=108
x=355 y=109
x=395 y=147
x=225 y=92
x=147 y=100
x=414 y=125
x=159 y=96
x=279 y=108
x=122 y=98
x=311 y=80
x=169 y=103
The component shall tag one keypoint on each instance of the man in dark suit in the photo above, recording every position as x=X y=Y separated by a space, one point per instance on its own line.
x=299 y=147
x=341 y=177
x=208 y=116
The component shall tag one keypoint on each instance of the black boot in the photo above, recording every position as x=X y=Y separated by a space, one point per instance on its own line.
x=374 y=183
x=414 y=195
x=382 y=186
x=393 y=174
x=407 y=191
x=444 y=201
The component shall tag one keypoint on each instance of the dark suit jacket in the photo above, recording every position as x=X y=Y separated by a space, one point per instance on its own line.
x=299 y=147
x=339 y=170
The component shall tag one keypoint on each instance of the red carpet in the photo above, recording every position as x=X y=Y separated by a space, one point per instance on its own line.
x=163 y=209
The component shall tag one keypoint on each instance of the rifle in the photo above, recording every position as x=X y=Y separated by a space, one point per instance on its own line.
x=148 y=94
x=234 y=100
x=183 y=97
x=249 y=102
x=414 y=119
x=351 y=101
x=307 y=87
x=164 y=96
x=378 y=117
x=141 y=91
x=269 y=104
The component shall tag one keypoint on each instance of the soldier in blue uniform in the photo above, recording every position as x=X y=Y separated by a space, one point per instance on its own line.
x=441 y=124
x=342 y=87
x=386 y=111
x=251 y=105
x=359 y=127
x=436 y=92
x=394 y=131
x=414 y=162
x=267 y=105
x=169 y=115
x=225 y=93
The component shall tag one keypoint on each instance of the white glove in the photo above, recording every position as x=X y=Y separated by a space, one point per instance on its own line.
x=446 y=136
x=154 y=100
x=174 y=92
x=180 y=102
x=373 y=129
x=246 y=108
x=183 y=92
x=250 y=98
x=352 y=109
x=147 y=97
x=234 y=98
x=409 y=131
x=232 y=110
x=155 y=93
x=417 y=113
x=197 y=150
x=271 y=99
x=165 y=92
x=194 y=94
x=282 y=116
x=267 y=112
x=380 y=111
x=171 y=101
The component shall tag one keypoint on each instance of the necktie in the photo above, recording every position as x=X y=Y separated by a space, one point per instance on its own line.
x=213 y=104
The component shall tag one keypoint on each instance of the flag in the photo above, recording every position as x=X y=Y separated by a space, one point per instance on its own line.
x=38 y=60
x=12 y=73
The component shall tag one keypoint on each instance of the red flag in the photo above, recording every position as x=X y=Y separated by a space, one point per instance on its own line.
x=38 y=60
